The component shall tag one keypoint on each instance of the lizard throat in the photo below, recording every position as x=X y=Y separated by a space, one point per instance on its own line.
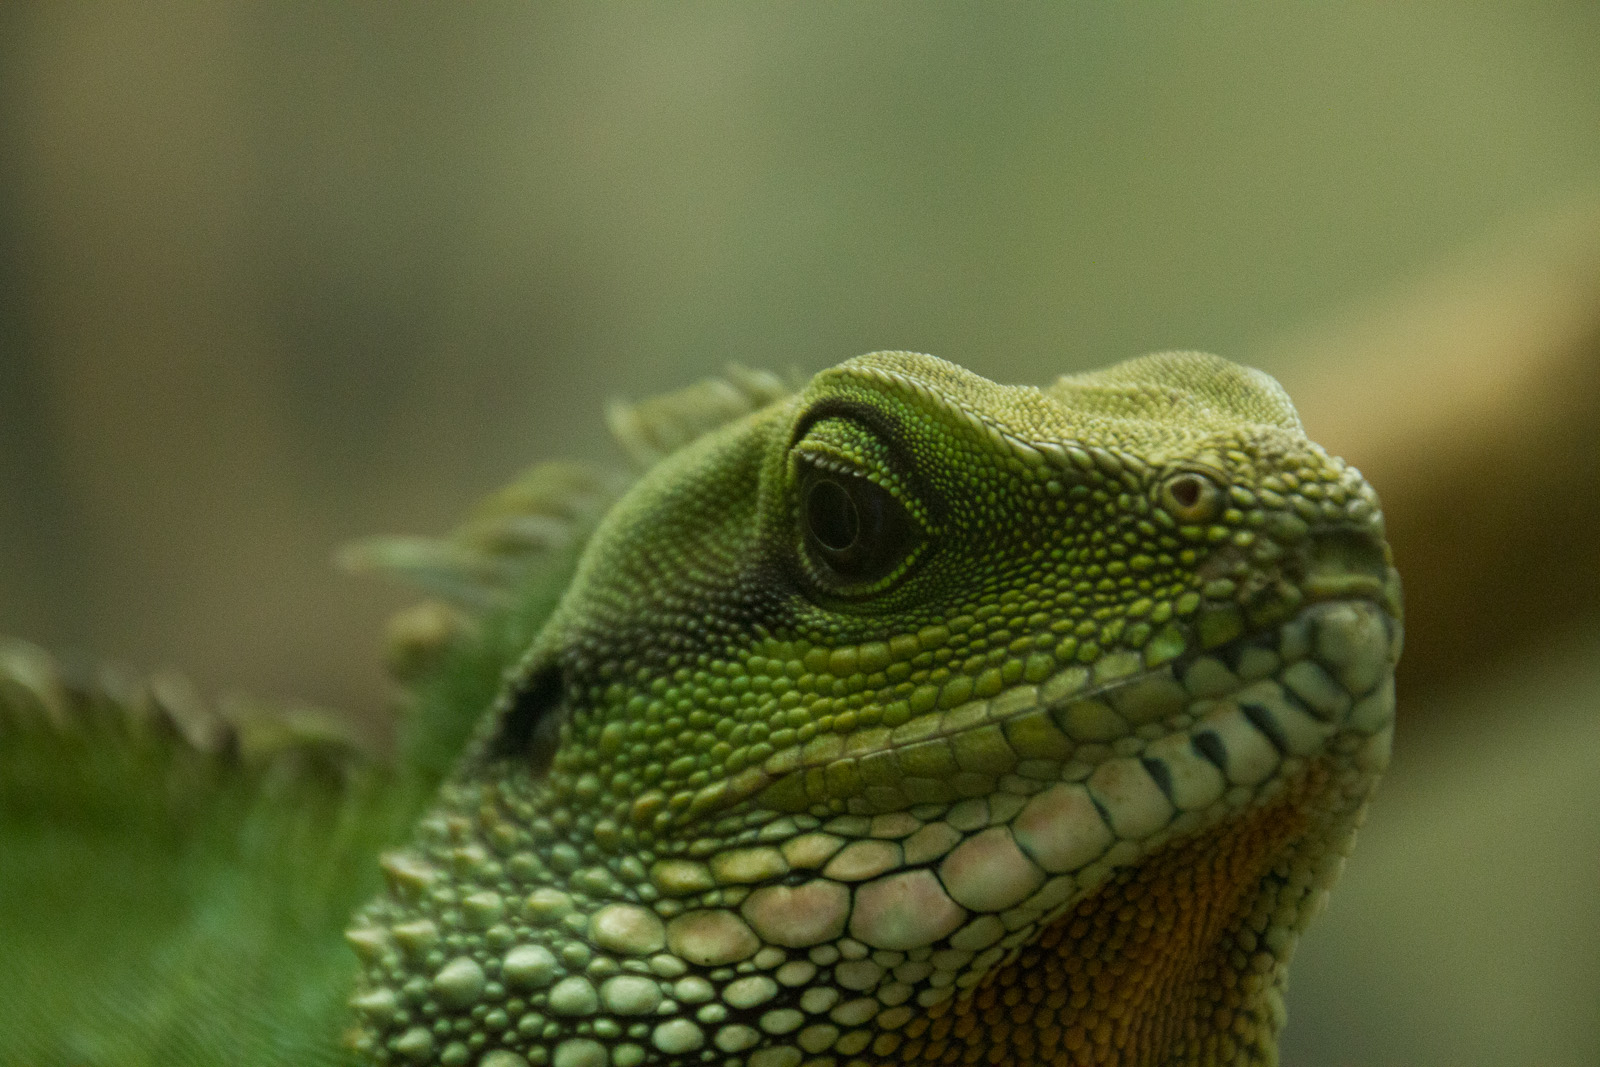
x=1181 y=960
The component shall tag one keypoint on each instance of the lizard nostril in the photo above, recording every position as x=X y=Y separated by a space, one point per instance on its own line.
x=1343 y=561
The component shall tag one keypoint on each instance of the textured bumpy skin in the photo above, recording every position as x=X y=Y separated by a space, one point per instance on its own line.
x=912 y=718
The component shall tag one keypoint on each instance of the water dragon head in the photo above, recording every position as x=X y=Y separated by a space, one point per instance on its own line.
x=912 y=718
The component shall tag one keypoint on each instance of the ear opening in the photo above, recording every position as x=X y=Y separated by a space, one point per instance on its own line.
x=531 y=727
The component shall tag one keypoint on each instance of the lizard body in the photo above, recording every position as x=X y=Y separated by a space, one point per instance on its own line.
x=913 y=718
x=904 y=717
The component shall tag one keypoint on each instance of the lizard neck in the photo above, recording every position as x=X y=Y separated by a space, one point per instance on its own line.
x=1166 y=963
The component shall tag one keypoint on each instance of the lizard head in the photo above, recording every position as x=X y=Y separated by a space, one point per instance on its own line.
x=913 y=717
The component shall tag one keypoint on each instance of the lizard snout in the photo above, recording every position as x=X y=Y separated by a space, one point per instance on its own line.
x=1343 y=562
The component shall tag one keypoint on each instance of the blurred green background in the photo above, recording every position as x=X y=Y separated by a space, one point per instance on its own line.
x=275 y=276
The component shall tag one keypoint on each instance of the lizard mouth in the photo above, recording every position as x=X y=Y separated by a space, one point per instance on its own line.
x=1150 y=742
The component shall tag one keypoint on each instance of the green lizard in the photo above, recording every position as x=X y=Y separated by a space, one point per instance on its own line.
x=904 y=717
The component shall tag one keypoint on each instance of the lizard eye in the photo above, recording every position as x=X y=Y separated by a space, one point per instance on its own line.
x=1191 y=497
x=855 y=530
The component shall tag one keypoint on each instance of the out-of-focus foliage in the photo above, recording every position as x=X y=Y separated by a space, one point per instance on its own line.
x=277 y=276
x=274 y=276
x=200 y=860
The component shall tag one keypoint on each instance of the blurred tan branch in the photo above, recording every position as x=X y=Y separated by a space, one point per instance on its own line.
x=1472 y=401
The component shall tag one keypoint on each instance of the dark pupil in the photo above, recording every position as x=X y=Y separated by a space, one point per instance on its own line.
x=832 y=515
x=1186 y=491
x=855 y=530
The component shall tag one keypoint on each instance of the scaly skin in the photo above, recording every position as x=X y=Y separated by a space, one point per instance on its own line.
x=914 y=718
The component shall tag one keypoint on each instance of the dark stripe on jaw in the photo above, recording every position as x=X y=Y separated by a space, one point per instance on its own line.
x=1261 y=718
x=1210 y=747
x=1161 y=773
